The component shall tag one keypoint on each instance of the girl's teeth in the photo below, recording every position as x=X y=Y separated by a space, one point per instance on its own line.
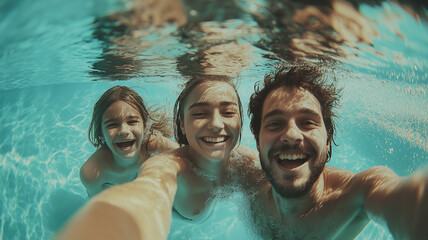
x=214 y=139
x=125 y=145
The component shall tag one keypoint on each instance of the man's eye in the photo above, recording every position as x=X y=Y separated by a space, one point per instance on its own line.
x=273 y=125
x=309 y=123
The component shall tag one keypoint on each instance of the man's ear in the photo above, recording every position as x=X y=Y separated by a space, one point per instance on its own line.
x=257 y=143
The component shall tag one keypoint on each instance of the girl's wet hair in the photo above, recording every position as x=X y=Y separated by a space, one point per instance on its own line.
x=126 y=94
x=180 y=137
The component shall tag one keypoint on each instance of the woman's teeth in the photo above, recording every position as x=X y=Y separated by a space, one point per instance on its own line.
x=214 y=139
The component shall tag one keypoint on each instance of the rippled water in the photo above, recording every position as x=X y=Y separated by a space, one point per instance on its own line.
x=57 y=58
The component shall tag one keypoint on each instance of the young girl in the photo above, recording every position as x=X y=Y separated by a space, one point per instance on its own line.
x=125 y=134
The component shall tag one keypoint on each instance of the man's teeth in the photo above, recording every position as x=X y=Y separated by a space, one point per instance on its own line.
x=291 y=157
x=214 y=139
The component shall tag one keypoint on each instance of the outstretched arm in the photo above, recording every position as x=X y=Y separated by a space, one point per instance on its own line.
x=400 y=203
x=140 y=209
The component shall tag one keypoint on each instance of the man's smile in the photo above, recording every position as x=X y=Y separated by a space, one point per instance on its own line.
x=288 y=161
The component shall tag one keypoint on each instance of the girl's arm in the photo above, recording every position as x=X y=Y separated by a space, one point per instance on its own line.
x=159 y=144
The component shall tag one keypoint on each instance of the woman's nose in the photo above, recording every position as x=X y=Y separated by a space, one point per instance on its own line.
x=216 y=121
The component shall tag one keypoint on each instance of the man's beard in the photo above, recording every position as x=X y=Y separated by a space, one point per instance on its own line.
x=292 y=191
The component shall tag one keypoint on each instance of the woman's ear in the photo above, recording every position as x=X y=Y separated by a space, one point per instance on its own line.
x=183 y=130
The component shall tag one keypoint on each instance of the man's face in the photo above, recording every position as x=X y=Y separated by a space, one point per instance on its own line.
x=292 y=141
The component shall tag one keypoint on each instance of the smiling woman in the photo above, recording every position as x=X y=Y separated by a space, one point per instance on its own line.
x=208 y=120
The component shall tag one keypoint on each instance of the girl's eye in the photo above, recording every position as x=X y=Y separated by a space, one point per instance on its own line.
x=111 y=125
x=133 y=122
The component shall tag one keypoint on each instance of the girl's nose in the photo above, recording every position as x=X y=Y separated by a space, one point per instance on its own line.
x=124 y=129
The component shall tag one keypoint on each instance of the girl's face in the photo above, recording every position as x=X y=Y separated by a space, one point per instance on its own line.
x=211 y=120
x=123 y=129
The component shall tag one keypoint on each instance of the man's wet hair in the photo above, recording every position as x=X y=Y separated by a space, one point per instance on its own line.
x=306 y=77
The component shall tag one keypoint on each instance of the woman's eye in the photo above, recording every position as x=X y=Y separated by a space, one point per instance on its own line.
x=198 y=114
x=229 y=113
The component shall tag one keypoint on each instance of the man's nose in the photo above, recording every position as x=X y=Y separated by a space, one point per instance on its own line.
x=292 y=133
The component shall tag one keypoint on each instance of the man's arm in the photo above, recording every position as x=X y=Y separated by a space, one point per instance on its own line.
x=399 y=203
x=140 y=209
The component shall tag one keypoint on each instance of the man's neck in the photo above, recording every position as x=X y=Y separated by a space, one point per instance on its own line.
x=289 y=209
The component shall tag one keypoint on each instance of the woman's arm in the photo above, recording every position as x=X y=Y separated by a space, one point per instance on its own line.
x=140 y=209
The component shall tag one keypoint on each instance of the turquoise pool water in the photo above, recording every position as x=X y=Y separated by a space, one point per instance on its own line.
x=57 y=58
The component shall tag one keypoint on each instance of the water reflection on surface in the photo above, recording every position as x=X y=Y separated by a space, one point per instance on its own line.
x=225 y=37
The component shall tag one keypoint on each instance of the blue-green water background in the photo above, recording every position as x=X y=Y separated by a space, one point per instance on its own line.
x=47 y=50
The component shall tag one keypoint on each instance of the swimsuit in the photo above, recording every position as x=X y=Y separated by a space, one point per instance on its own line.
x=208 y=211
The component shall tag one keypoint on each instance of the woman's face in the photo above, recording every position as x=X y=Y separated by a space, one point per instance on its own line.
x=211 y=120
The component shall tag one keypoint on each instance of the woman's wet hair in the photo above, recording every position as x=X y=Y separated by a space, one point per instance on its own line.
x=128 y=95
x=180 y=137
x=309 y=78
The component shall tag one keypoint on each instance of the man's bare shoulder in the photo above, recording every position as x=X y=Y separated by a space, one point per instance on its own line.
x=337 y=177
x=248 y=155
x=358 y=183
